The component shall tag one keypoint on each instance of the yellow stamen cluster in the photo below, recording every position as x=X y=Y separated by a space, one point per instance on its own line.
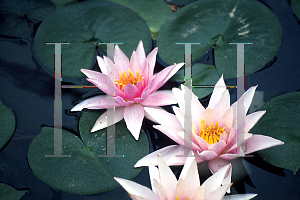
x=212 y=133
x=130 y=78
x=177 y=198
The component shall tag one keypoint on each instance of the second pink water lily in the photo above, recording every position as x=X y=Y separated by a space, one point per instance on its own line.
x=213 y=130
x=132 y=86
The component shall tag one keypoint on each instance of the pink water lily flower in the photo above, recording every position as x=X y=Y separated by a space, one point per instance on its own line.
x=132 y=88
x=213 y=130
x=166 y=187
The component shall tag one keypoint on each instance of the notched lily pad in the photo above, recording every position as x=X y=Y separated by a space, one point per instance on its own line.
x=19 y=16
x=281 y=121
x=218 y=23
x=7 y=124
x=95 y=21
x=296 y=7
x=84 y=172
x=8 y=192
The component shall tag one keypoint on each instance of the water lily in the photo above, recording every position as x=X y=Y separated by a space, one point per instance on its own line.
x=166 y=187
x=213 y=130
x=132 y=86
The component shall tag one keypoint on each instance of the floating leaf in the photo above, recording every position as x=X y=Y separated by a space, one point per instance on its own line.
x=94 y=22
x=62 y=3
x=7 y=124
x=19 y=16
x=8 y=192
x=179 y=2
x=281 y=121
x=296 y=7
x=202 y=75
x=216 y=23
x=84 y=172
x=155 y=12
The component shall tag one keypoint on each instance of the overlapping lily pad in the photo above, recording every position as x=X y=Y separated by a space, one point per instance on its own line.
x=7 y=124
x=296 y=7
x=84 y=25
x=204 y=75
x=62 y=3
x=19 y=16
x=281 y=121
x=84 y=172
x=155 y=12
x=8 y=192
x=217 y=23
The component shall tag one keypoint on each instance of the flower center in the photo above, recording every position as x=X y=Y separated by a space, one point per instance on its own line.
x=177 y=198
x=130 y=78
x=212 y=133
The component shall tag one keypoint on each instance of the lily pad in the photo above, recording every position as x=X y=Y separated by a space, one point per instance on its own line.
x=62 y=3
x=202 y=75
x=84 y=172
x=179 y=2
x=95 y=21
x=281 y=121
x=155 y=12
x=8 y=192
x=7 y=124
x=296 y=7
x=218 y=23
x=19 y=16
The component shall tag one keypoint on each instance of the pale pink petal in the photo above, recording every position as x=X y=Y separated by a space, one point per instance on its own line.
x=226 y=120
x=141 y=53
x=223 y=105
x=190 y=174
x=130 y=91
x=119 y=100
x=208 y=155
x=181 y=118
x=145 y=73
x=121 y=60
x=82 y=104
x=201 y=143
x=102 y=65
x=259 y=142
x=102 y=104
x=102 y=120
x=179 y=158
x=229 y=156
x=209 y=116
x=160 y=116
x=198 y=194
x=137 y=190
x=215 y=181
x=219 y=88
x=159 y=98
x=134 y=63
x=187 y=143
x=161 y=191
x=252 y=119
x=133 y=116
x=112 y=91
x=140 y=88
x=151 y=60
x=110 y=67
x=217 y=147
x=153 y=174
x=167 y=178
x=218 y=194
x=231 y=137
x=177 y=67
x=239 y=197
x=181 y=191
x=224 y=137
x=146 y=115
x=171 y=132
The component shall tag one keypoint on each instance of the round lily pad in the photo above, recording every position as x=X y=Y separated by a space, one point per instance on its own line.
x=95 y=21
x=84 y=172
x=296 y=7
x=218 y=23
x=62 y=3
x=155 y=12
x=8 y=192
x=179 y=2
x=203 y=78
x=7 y=124
x=281 y=121
x=18 y=16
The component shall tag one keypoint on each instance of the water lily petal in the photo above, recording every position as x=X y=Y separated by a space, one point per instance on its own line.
x=160 y=98
x=219 y=88
x=141 y=53
x=102 y=120
x=112 y=91
x=151 y=60
x=160 y=116
x=239 y=197
x=121 y=60
x=131 y=92
x=226 y=120
x=110 y=67
x=201 y=143
x=161 y=191
x=102 y=65
x=137 y=190
x=146 y=115
x=259 y=142
x=181 y=191
x=134 y=63
x=133 y=116
x=153 y=174
x=167 y=178
x=219 y=193
x=208 y=155
x=102 y=104
x=223 y=105
x=198 y=194
x=252 y=119
x=217 y=147
x=231 y=137
x=82 y=104
x=171 y=132
x=209 y=116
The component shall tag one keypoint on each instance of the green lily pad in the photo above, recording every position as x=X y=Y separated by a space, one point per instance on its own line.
x=216 y=23
x=8 y=192
x=84 y=172
x=179 y=2
x=155 y=12
x=7 y=124
x=18 y=16
x=281 y=121
x=95 y=21
x=202 y=75
x=296 y=7
x=62 y=3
